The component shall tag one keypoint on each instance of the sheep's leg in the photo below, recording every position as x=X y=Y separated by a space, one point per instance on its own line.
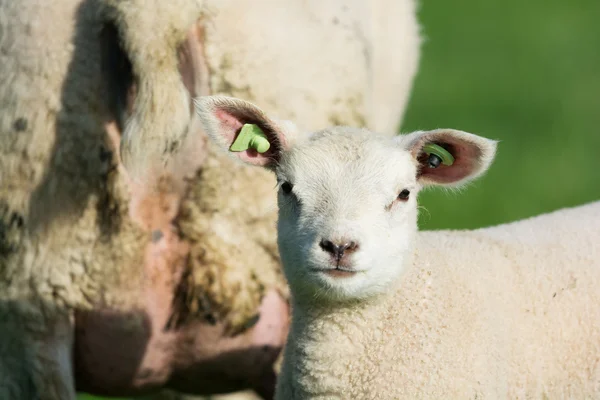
x=35 y=356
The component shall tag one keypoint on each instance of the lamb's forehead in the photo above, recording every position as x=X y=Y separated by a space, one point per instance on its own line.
x=348 y=151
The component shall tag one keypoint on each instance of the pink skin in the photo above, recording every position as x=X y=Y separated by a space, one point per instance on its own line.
x=114 y=359
x=118 y=353
x=130 y=353
x=466 y=157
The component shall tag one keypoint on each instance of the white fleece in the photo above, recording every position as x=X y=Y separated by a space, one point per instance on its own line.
x=509 y=311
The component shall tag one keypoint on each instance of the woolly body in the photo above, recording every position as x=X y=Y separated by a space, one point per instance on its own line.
x=502 y=312
x=170 y=267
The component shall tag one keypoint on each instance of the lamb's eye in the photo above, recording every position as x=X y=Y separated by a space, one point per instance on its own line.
x=287 y=187
x=404 y=195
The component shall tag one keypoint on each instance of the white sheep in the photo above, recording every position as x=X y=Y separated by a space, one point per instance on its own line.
x=115 y=288
x=381 y=311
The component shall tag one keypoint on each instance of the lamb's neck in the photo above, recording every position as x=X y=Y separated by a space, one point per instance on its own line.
x=311 y=317
x=328 y=339
x=324 y=343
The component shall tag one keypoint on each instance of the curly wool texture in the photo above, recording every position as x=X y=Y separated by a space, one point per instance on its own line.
x=78 y=234
x=234 y=256
x=503 y=312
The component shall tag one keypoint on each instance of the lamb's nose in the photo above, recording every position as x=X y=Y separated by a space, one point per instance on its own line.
x=339 y=249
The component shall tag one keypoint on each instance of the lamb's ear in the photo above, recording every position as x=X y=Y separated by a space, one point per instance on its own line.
x=458 y=157
x=262 y=140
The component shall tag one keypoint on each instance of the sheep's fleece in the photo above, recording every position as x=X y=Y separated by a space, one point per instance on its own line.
x=123 y=283
x=507 y=312
x=510 y=311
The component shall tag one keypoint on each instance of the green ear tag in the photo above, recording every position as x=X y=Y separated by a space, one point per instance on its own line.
x=442 y=153
x=251 y=137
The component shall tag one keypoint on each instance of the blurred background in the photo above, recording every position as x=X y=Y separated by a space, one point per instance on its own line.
x=526 y=73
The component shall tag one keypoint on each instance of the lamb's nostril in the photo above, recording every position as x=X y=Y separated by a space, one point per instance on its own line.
x=351 y=246
x=338 y=250
x=328 y=246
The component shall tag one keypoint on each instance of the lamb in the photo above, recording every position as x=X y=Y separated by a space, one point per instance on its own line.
x=117 y=282
x=383 y=311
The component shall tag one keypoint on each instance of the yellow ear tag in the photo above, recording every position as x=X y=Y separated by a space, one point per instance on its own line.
x=251 y=137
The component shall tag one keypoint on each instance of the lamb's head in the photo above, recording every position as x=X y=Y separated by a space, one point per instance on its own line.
x=347 y=197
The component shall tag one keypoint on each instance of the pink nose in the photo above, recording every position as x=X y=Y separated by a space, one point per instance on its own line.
x=340 y=249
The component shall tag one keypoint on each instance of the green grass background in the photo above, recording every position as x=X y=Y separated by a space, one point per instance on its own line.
x=528 y=74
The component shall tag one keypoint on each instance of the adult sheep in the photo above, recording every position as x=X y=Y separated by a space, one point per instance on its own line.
x=382 y=311
x=119 y=284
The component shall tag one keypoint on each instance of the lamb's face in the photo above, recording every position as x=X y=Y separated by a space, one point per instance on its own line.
x=347 y=197
x=347 y=212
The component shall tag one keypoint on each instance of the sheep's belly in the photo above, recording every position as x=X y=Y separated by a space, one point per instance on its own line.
x=120 y=353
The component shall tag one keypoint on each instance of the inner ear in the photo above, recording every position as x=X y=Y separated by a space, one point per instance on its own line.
x=466 y=158
x=234 y=118
x=472 y=155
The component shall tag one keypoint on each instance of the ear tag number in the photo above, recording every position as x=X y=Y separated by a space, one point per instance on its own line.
x=437 y=155
x=251 y=137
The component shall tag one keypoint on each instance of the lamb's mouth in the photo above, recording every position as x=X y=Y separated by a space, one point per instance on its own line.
x=338 y=272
